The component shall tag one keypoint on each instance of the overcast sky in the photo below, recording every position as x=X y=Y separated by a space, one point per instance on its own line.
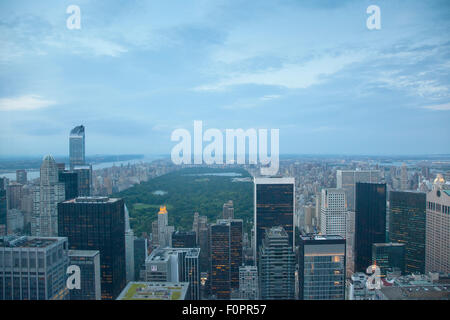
x=137 y=70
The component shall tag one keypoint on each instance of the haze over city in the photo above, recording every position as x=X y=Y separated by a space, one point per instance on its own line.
x=137 y=70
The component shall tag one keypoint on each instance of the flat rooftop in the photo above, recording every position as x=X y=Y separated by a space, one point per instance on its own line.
x=163 y=254
x=83 y=253
x=92 y=200
x=154 y=291
x=28 y=242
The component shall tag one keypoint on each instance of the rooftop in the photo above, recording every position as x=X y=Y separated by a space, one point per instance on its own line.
x=154 y=291
x=92 y=200
x=83 y=253
x=28 y=242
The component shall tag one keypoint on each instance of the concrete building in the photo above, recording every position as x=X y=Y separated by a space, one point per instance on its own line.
x=248 y=283
x=437 y=246
x=333 y=212
x=77 y=146
x=33 y=268
x=155 y=291
x=89 y=263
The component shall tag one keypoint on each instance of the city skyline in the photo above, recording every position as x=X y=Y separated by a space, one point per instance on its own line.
x=133 y=74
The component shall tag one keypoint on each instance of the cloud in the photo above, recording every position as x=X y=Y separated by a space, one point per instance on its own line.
x=438 y=107
x=289 y=75
x=23 y=103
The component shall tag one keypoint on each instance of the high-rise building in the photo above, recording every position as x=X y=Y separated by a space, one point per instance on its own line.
x=77 y=147
x=350 y=244
x=84 y=174
x=21 y=176
x=276 y=266
x=3 y=211
x=33 y=268
x=129 y=247
x=321 y=268
x=333 y=212
x=438 y=228
x=407 y=220
x=184 y=239
x=164 y=230
x=201 y=228
x=44 y=221
x=389 y=257
x=98 y=223
x=140 y=255
x=14 y=195
x=220 y=244
x=175 y=265
x=248 y=283
x=404 y=178
x=370 y=222
x=236 y=254
x=346 y=179
x=274 y=205
x=70 y=180
x=228 y=210
x=90 y=283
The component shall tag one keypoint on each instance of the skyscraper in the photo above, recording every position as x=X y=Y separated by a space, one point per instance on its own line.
x=175 y=265
x=184 y=239
x=140 y=255
x=346 y=179
x=33 y=268
x=248 y=283
x=201 y=227
x=274 y=205
x=407 y=225
x=333 y=212
x=389 y=257
x=14 y=195
x=438 y=228
x=89 y=263
x=77 y=147
x=321 y=268
x=129 y=247
x=220 y=260
x=228 y=210
x=98 y=223
x=370 y=222
x=44 y=221
x=276 y=266
x=84 y=174
x=164 y=230
x=404 y=178
x=70 y=180
x=21 y=176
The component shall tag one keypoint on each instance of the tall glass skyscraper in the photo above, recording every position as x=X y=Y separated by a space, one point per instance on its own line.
x=220 y=238
x=274 y=205
x=77 y=147
x=407 y=224
x=276 y=266
x=98 y=223
x=321 y=268
x=370 y=222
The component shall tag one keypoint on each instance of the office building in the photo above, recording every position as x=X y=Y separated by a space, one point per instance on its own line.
x=175 y=265
x=333 y=212
x=370 y=222
x=437 y=247
x=44 y=221
x=14 y=195
x=347 y=179
x=201 y=228
x=274 y=205
x=164 y=230
x=389 y=257
x=248 y=283
x=220 y=244
x=276 y=266
x=21 y=176
x=321 y=269
x=184 y=239
x=129 y=247
x=70 y=181
x=407 y=225
x=77 y=147
x=228 y=210
x=90 y=280
x=33 y=268
x=98 y=223
x=84 y=174
x=140 y=255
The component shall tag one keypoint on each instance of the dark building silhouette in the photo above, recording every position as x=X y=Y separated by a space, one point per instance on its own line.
x=389 y=257
x=184 y=239
x=97 y=223
x=70 y=180
x=407 y=224
x=220 y=242
x=140 y=254
x=370 y=221
x=274 y=206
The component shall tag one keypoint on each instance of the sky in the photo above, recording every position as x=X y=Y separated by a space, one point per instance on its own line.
x=138 y=70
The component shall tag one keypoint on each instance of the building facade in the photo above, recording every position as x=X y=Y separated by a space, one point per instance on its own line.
x=333 y=212
x=90 y=280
